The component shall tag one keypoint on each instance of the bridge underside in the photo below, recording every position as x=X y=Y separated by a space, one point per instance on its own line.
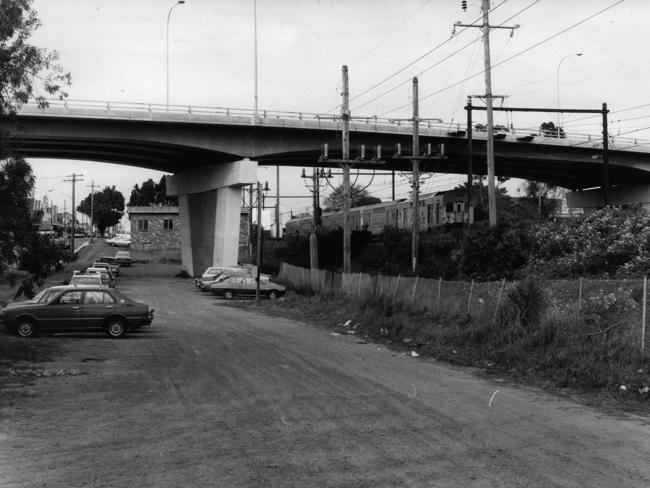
x=212 y=159
x=174 y=147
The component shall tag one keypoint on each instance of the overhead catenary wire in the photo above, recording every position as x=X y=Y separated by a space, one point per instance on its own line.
x=404 y=68
x=390 y=34
x=524 y=51
x=478 y=39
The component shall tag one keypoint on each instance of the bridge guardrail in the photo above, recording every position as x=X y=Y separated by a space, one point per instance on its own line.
x=109 y=107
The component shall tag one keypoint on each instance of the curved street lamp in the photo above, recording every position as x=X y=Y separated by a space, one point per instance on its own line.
x=558 y=89
x=179 y=2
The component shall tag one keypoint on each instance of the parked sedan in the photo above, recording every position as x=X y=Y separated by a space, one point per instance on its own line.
x=72 y=309
x=231 y=286
x=213 y=272
x=110 y=261
x=123 y=258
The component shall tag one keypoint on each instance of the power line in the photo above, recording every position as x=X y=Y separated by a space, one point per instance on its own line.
x=452 y=54
x=359 y=58
x=411 y=64
x=514 y=55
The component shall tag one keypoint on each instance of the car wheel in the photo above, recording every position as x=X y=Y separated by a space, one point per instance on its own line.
x=228 y=294
x=115 y=328
x=25 y=327
x=272 y=295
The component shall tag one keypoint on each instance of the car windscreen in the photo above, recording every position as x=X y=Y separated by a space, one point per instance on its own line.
x=43 y=296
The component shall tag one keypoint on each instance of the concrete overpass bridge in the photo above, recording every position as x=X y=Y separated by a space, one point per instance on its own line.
x=212 y=152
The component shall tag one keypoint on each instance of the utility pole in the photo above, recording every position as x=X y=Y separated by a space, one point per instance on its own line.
x=259 y=240
x=92 y=209
x=277 y=202
x=73 y=178
x=415 y=159
x=470 y=159
x=345 y=140
x=250 y=223
x=416 y=177
x=485 y=27
x=605 y=157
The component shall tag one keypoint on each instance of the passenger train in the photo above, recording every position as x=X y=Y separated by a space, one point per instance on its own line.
x=435 y=209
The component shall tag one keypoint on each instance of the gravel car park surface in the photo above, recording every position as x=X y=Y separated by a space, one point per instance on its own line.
x=214 y=396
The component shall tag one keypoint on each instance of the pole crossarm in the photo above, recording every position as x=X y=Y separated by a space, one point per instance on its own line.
x=535 y=109
x=480 y=26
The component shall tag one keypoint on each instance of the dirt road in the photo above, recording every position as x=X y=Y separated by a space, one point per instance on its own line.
x=214 y=396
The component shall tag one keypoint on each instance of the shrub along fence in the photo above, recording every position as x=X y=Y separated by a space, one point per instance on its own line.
x=604 y=304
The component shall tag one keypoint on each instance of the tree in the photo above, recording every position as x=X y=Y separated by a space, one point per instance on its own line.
x=26 y=71
x=108 y=208
x=151 y=193
x=358 y=197
x=549 y=129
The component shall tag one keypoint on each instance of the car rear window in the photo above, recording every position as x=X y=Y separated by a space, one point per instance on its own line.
x=98 y=297
x=85 y=280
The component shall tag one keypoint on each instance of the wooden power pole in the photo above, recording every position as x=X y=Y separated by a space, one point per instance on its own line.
x=485 y=27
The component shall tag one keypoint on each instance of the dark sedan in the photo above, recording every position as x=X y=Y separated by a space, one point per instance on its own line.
x=72 y=309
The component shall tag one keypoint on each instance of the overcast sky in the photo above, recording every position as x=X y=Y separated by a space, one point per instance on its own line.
x=116 y=51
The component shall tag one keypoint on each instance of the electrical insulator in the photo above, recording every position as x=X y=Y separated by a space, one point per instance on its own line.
x=399 y=149
x=303 y=173
x=325 y=150
x=378 y=152
x=512 y=32
x=453 y=31
x=363 y=151
x=463 y=4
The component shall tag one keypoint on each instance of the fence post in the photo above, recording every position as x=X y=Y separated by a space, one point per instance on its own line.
x=469 y=299
x=439 y=291
x=645 y=297
x=580 y=295
x=496 y=309
x=415 y=286
x=396 y=287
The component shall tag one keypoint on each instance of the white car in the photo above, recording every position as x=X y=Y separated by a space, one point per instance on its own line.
x=120 y=240
x=87 y=280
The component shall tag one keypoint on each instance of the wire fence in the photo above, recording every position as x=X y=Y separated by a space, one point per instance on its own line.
x=605 y=304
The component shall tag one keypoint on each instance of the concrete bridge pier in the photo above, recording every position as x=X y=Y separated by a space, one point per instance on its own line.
x=210 y=204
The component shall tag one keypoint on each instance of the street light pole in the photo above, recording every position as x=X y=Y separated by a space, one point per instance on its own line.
x=179 y=2
x=255 y=51
x=558 y=89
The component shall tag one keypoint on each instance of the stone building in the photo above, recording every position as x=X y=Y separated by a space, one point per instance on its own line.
x=155 y=227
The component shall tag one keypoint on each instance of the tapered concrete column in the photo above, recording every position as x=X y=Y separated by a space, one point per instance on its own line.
x=226 y=225
x=210 y=211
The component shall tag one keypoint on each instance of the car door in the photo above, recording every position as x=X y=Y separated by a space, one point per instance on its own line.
x=97 y=306
x=249 y=287
x=64 y=313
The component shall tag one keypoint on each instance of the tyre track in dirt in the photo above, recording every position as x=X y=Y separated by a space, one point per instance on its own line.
x=215 y=396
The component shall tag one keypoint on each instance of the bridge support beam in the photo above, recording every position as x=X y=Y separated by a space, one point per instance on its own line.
x=210 y=211
x=590 y=200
